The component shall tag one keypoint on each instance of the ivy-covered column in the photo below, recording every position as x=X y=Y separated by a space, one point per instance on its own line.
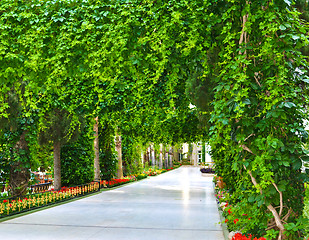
x=96 y=150
x=119 y=154
x=258 y=115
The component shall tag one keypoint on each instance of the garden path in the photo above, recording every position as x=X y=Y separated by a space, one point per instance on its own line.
x=179 y=205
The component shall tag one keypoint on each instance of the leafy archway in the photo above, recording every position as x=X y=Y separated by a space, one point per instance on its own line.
x=239 y=61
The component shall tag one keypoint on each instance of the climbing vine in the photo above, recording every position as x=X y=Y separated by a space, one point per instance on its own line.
x=258 y=110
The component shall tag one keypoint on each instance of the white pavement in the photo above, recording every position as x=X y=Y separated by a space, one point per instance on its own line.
x=177 y=205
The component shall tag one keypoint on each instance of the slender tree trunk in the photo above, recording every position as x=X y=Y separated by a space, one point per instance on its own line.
x=175 y=154
x=153 y=155
x=96 y=150
x=170 y=154
x=57 y=165
x=142 y=160
x=161 y=156
x=118 y=149
x=166 y=157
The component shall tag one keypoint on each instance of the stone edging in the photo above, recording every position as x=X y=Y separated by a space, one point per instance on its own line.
x=224 y=226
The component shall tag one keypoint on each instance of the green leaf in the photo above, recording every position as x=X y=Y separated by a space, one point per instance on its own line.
x=297 y=164
x=289 y=104
x=305 y=79
x=305 y=158
x=287 y=2
x=275 y=114
x=247 y=101
x=282 y=187
x=225 y=121
x=251 y=198
x=235 y=166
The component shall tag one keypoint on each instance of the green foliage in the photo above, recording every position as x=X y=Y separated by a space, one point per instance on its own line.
x=60 y=125
x=77 y=161
x=131 y=153
x=225 y=167
x=15 y=126
x=108 y=158
x=203 y=152
x=240 y=62
x=257 y=119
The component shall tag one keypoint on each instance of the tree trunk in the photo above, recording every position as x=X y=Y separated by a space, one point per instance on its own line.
x=118 y=149
x=19 y=175
x=57 y=165
x=170 y=154
x=96 y=150
x=175 y=154
x=161 y=156
x=153 y=155
x=166 y=157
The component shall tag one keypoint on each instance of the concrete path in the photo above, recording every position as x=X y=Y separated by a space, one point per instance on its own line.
x=177 y=205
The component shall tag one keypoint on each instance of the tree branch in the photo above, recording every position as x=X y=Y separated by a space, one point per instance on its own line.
x=281 y=198
x=278 y=221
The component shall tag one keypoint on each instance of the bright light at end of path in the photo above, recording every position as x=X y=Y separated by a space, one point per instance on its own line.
x=185 y=187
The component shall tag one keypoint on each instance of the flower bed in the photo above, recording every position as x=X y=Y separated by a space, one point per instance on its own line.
x=116 y=182
x=234 y=217
x=154 y=172
x=12 y=206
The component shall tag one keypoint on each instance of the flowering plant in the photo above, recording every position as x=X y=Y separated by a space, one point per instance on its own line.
x=117 y=182
x=238 y=217
x=14 y=206
x=239 y=236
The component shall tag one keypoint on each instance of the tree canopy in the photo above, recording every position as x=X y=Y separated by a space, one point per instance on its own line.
x=139 y=65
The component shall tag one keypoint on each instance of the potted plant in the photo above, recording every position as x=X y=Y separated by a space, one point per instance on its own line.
x=206 y=169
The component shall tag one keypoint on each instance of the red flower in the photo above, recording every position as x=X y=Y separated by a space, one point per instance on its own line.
x=226 y=204
x=239 y=236
x=236 y=220
x=5 y=201
x=229 y=211
x=226 y=220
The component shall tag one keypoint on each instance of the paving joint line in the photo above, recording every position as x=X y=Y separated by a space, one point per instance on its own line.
x=113 y=227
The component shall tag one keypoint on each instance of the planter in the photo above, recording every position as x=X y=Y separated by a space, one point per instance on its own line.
x=207 y=170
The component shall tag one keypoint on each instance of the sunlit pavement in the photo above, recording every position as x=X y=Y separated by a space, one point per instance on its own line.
x=179 y=204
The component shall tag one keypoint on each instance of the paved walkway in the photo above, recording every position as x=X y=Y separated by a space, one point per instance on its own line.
x=177 y=205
